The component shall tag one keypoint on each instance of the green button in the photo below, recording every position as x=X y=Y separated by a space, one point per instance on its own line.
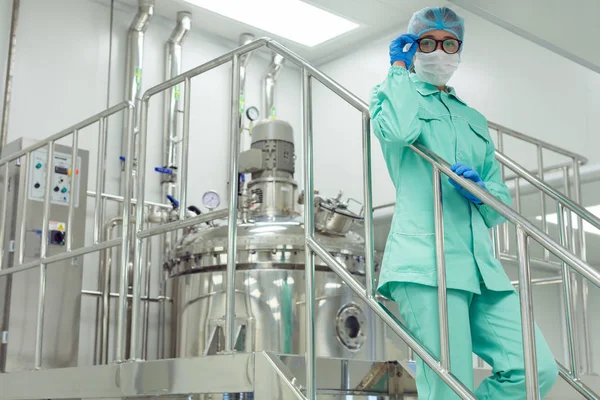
x=64 y=190
x=38 y=165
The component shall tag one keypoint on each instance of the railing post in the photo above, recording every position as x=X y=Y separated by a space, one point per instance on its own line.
x=100 y=179
x=138 y=243
x=504 y=227
x=527 y=321
x=120 y=347
x=3 y=212
x=185 y=148
x=39 y=330
x=441 y=269
x=147 y=286
x=517 y=195
x=309 y=232
x=540 y=159
x=73 y=190
x=20 y=245
x=582 y=253
x=496 y=242
x=568 y=297
x=368 y=206
x=233 y=203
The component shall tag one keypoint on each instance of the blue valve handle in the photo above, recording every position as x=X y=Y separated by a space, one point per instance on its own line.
x=122 y=158
x=173 y=201
x=164 y=170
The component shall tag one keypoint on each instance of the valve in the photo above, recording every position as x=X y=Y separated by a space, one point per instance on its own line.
x=195 y=210
x=173 y=200
x=164 y=170
x=122 y=159
x=169 y=173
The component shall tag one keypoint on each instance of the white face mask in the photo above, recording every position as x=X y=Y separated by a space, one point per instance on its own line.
x=436 y=68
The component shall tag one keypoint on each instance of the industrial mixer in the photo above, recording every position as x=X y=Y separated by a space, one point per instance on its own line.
x=270 y=268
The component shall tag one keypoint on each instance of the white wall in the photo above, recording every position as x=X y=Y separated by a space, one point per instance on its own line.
x=510 y=80
x=61 y=77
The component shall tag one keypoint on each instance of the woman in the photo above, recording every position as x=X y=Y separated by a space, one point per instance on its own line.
x=483 y=307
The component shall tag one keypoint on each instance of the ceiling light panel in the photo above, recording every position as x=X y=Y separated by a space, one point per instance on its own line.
x=295 y=20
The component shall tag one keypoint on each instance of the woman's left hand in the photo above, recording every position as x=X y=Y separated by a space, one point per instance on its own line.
x=468 y=173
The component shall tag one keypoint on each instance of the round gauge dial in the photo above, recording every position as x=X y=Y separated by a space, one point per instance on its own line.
x=211 y=199
x=252 y=113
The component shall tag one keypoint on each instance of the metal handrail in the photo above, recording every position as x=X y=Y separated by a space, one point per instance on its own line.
x=525 y=230
x=540 y=143
x=531 y=230
x=548 y=190
x=44 y=259
x=582 y=214
x=522 y=173
x=552 y=168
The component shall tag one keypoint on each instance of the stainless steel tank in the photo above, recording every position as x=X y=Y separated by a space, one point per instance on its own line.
x=270 y=294
x=270 y=283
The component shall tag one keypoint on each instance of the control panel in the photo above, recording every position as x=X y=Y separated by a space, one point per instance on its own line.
x=62 y=178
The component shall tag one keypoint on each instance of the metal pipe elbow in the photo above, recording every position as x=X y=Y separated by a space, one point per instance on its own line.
x=143 y=16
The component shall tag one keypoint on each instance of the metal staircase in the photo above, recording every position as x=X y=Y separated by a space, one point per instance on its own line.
x=270 y=376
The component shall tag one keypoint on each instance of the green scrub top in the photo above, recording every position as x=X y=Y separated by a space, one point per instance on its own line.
x=405 y=110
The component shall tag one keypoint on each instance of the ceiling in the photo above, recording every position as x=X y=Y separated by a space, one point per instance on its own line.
x=377 y=18
x=555 y=24
x=570 y=29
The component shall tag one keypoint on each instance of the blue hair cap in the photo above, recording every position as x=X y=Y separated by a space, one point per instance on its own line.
x=437 y=18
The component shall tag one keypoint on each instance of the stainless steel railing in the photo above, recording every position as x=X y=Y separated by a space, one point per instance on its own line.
x=525 y=229
x=575 y=161
x=69 y=253
x=569 y=237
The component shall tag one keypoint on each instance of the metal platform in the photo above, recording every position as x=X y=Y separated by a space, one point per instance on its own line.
x=267 y=375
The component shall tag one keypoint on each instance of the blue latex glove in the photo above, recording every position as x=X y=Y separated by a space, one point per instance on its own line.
x=397 y=52
x=470 y=174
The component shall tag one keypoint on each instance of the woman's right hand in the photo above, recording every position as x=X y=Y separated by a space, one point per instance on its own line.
x=398 y=55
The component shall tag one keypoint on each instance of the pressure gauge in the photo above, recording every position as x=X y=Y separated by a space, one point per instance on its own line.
x=252 y=113
x=211 y=199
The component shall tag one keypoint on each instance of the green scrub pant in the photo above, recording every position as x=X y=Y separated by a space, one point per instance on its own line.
x=488 y=325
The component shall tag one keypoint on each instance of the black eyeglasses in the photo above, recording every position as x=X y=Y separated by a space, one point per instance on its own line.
x=429 y=45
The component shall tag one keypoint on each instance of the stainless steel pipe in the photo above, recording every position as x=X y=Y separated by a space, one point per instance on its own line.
x=173 y=67
x=245 y=38
x=97 y=293
x=269 y=81
x=134 y=67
